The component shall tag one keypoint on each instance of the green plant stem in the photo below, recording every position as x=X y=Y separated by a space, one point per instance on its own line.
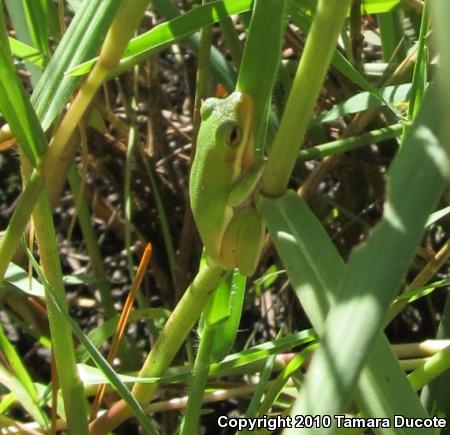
x=179 y=324
x=199 y=378
x=349 y=143
x=63 y=348
x=319 y=49
x=433 y=367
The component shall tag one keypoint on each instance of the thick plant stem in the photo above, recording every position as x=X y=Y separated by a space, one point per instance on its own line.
x=319 y=49
x=183 y=318
x=63 y=348
x=431 y=369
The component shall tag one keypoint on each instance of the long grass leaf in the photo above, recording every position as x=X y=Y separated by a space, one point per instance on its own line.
x=316 y=272
x=416 y=179
x=16 y=108
x=81 y=41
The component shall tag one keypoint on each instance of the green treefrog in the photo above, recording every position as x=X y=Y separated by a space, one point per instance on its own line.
x=224 y=184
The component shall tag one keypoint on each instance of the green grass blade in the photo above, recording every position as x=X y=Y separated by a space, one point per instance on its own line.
x=18 y=17
x=420 y=68
x=431 y=369
x=373 y=279
x=26 y=52
x=19 y=279
x=390 y=95
x=435 y=395
x=247 y=361
x=81 y=41
x=223 y=313
x=190 y=422
x=22 y=376
x=379 y=6
x=437 y=215
x=62 y=341
x=168 y=32
x=118 y=35
x=367 y=6
x=266 y=30
x=37 y=21
x=391 y=35
x=316 y=271
x=340 y=146
x=220 y=67
x=22 y=395
x=280 y=381
x=16 y=108
x=263 y=381
x=301 y=15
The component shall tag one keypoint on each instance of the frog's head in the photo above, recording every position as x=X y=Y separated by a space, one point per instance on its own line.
x=234 y=119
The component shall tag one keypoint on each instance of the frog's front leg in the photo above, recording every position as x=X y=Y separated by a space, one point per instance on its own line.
x=245 y=186
x=243 y=241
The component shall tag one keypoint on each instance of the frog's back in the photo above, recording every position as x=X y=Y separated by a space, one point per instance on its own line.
x=209 y=184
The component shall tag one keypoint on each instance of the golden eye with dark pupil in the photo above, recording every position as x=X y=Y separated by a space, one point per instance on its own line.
x=235 y=136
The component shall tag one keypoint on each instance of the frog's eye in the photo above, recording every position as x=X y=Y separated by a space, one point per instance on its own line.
x=232 y=134
x=229 y=133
